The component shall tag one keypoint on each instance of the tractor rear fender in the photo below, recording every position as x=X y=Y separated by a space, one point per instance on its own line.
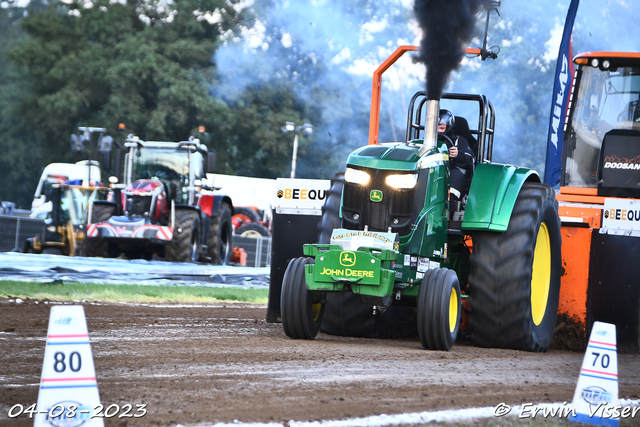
x=492 y=195
x=210 y=203
x=209 y=206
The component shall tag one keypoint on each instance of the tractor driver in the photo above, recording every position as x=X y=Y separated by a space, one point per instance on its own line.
x=461 y=160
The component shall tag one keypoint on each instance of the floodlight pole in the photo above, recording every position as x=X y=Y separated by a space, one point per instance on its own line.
x=294 y=158
x=291 y=127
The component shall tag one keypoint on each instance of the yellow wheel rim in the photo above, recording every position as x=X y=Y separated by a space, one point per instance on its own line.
x=251 y=233
x=453 y=310
x=541 y=275
x=315 y=311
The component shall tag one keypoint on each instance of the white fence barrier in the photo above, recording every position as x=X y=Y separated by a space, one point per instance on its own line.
x=258 y=249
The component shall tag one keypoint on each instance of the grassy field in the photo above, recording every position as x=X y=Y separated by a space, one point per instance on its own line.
x=73 y=291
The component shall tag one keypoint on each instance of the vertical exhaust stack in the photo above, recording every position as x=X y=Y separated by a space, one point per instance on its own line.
x=446 y=26
x=430 y=126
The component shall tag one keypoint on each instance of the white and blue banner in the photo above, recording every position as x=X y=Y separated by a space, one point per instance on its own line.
x=561 y=90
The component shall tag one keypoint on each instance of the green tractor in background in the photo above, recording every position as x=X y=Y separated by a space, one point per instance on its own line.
x=386 y=239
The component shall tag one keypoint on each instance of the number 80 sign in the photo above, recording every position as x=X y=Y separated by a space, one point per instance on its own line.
x=68 y=373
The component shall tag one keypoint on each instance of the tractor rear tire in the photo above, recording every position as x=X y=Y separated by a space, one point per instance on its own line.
x=185 y=244
x=99 y=246
x=439 y=309
x=219 y=239
x=253 y=229
x=345 y=313
x=514 y=281
x=330 y=219
x=302 y=311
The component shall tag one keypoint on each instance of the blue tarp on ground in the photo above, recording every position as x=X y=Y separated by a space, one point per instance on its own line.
x=17 y=266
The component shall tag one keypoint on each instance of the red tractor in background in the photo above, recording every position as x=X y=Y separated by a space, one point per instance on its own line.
x=163 y=210
x=249 y=221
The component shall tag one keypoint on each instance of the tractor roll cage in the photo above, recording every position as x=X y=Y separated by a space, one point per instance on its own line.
x=483 y=133
x=376 y=88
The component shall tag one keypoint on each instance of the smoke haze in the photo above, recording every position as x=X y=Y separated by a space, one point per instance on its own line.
x=447 y=28
x=327 y=51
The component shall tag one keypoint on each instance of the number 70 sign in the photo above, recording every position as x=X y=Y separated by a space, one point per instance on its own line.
x=596 y=395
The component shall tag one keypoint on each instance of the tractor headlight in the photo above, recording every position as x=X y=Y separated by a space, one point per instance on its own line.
x=356 y=176
x=406 y=181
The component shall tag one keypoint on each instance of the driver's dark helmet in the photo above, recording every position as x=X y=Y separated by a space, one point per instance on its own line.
x=446 y=118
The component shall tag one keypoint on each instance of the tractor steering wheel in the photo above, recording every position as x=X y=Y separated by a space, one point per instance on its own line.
x=624 y=116
x=446 y=139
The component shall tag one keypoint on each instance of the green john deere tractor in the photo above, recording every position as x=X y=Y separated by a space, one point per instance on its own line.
x=386 y=239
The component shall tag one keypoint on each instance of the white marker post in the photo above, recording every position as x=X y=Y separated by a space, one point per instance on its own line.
x=68 y=375
x=596 y=397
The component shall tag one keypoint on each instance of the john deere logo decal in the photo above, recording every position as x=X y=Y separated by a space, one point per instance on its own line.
x=375 y=195
x=348 y=259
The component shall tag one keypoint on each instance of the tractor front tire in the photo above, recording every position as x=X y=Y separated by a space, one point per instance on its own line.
x=219 y=239
x=514 y=281
x=439 y=309
x=302 y=310
x=245 y=214
x=253 y=229
x=345 y=314
x=99 y=246
x=185 y=244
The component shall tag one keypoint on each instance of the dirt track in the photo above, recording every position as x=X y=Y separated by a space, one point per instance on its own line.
x=197 y=365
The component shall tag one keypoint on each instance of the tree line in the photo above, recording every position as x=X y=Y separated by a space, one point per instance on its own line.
x=64 y=65
x=243 y=69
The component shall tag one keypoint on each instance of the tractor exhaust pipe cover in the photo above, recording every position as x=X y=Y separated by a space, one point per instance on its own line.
x=432 y=115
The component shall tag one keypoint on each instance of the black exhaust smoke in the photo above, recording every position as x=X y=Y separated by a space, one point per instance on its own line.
x=447 y=28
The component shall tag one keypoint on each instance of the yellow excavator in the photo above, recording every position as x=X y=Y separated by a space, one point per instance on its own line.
x=65 y=224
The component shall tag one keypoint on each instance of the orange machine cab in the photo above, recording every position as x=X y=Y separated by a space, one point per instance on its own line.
x=599 y=195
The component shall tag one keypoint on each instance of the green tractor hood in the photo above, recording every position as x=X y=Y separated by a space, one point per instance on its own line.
x=400 y=157
x=493 y=191
x=418 y=212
